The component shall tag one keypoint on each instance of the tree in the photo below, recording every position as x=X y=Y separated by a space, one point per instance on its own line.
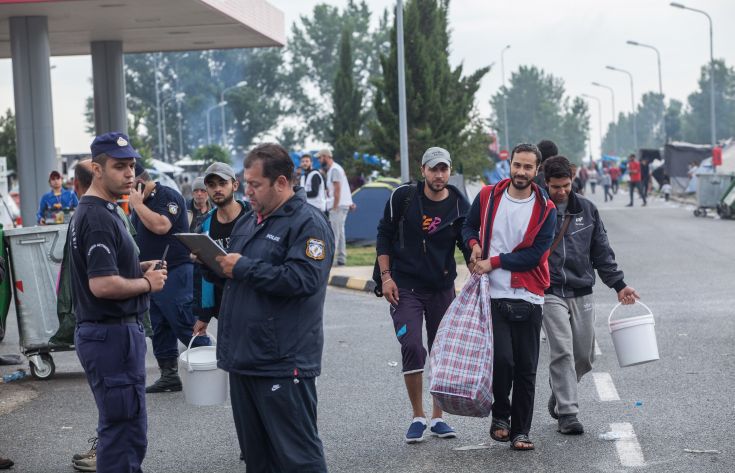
x=313 y=50
x=538 y=109
x=347 y=98
x=211 y=153
x=696 y=121
x=440 y=100
x=650 y=127
x=673 y=120
x=7 y=139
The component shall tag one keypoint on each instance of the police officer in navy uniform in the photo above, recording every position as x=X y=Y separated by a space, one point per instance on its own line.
x=110 y=287
x=158 y=213
x=270 y=335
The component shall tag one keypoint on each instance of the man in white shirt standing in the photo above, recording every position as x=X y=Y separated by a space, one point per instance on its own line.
x=339 y=203
x=510 y=228
x=313 y=183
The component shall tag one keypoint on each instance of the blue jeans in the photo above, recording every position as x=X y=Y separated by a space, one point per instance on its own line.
x=171 y=313
x=113 y=358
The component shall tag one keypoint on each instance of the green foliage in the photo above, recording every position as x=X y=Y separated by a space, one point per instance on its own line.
x=673 y=120
x=347 y=99
x=696 y=122
x=7 y=139
x=538 y=109
x=439 y=99
x=648 y=125
x=211 y=153
x=313 y=50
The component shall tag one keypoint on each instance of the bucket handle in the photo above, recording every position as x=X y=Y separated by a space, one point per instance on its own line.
x=188 y=349
x=619 y=304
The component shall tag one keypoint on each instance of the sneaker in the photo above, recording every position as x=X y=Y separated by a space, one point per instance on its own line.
x=5 y=463
x=415 y=432
x=569 y=425
x=442 y=430
x=86 y=464
x=92 y=451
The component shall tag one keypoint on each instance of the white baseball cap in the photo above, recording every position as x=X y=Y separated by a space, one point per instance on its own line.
x=435 y=156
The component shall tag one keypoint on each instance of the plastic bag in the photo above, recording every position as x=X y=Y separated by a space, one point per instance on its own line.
x=462 y=354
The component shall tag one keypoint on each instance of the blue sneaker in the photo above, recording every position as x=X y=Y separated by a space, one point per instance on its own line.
x=415 y=432
x=442 y=430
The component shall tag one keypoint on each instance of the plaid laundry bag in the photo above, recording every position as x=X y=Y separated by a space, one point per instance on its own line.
x=462 y=354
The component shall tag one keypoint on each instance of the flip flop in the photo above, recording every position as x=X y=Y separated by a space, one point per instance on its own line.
x=522 y=438
x=499 y=424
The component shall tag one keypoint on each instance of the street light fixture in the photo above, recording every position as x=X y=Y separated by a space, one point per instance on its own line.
x=209 y=133
x=713 y=122
x=505 y=100
x=402 y=113
x=632 y=103
x=599 y=117
x=658 y=59
x=177 y=96
x=242 y=83
x=614 y=117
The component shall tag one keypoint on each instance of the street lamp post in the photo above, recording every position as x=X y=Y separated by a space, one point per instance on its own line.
x=242 y=83
x=209 y=130
x=660 y=83
x=402 y=115
x=614 y=117
x=632 y=104
x=599 y=117
x=177 y=96
x=713 y=122
x=505 y=99
x=181 y=139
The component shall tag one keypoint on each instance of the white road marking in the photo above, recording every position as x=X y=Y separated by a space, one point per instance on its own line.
x=598 y=352
x=605 y=387
x=629 y=450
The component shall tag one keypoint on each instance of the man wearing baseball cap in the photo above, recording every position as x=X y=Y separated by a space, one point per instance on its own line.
x=110 y=292
x=158 y=213
x=421 y=226
x=56 y=203
x=221 y=185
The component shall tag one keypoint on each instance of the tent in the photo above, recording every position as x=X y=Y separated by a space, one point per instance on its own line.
x=677 y=156
x=361 y=227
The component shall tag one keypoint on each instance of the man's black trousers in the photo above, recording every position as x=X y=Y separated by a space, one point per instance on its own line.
x=275 y=419
x=516 y=348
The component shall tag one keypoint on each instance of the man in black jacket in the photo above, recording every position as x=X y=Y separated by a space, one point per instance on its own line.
x=270 y=321
x=569 y=314
x=417 y=268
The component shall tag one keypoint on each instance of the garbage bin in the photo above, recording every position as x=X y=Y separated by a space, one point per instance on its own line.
x=35 y=255
x=710 y=188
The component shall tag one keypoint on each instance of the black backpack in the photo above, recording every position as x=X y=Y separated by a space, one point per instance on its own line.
x=399 y=220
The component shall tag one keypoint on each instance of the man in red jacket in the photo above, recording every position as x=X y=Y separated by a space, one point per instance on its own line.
x=510 y=229
x=634 y=171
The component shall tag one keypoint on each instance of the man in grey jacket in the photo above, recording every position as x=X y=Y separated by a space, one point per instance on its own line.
x=569 y=314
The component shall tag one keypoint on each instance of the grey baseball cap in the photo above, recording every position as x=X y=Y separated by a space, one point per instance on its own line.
x=222 y=170
x=198 y=184
x=435 y=155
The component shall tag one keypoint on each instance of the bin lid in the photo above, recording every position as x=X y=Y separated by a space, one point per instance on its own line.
x=201 y=358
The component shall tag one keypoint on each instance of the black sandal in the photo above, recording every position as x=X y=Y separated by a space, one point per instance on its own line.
x=519 y=439
x=499 y=424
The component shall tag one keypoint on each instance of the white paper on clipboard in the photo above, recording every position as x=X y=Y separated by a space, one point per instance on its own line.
x=206 y=249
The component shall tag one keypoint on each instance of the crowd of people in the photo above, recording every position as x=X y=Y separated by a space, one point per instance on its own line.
x=534 y=235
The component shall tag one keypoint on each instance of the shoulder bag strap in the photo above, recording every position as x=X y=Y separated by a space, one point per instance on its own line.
x=560 y=236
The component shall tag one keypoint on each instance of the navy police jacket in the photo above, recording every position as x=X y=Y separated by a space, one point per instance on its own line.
x=270 y=321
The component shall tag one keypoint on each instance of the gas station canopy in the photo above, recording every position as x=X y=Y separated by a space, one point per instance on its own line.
x=149 y=25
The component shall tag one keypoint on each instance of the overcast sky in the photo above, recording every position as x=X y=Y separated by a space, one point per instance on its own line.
x=571 y=39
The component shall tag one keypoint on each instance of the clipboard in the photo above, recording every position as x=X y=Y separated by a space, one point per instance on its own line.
x=206 y=249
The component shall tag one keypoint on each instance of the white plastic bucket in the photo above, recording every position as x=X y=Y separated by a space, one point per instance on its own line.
x=634 y=338
x=204 y=383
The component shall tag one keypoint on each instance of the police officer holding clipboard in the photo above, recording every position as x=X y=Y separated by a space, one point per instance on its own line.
x=111 y=291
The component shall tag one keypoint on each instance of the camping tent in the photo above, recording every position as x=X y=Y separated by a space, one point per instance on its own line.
x=677 y=156
x=361 y=227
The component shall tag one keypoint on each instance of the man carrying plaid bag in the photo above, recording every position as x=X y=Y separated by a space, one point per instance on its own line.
x=415 y=247
x=510 y=229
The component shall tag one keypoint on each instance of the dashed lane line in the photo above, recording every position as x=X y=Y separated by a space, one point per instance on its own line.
x=627 y=446
x=605 y=387
x=598 y=352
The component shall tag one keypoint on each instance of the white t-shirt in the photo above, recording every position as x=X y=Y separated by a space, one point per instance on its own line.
x=337 y=174
x=509 y=227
